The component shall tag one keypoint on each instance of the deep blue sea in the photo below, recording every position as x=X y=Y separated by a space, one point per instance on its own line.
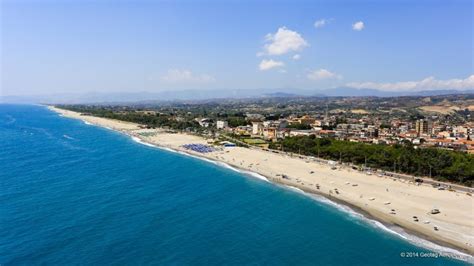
x=77 y=194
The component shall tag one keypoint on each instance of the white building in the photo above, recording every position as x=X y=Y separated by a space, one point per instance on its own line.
x=308 y=132
x=257 y=128
x=222 y=124
x=205 y=122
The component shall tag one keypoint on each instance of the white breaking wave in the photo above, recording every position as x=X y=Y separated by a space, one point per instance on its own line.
x=299 y=190
x=250 y=173
x=68 y=137
x=87 y=123
x=138 y=140
x=259 y=176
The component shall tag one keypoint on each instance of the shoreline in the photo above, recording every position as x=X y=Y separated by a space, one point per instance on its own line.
x=374 y=215
x=342 y=205
x=407 y=234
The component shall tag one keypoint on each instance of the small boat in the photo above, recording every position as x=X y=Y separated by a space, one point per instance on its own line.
x=387 y=203
x=372 y=198
x=354 y=185
x=426 y=222
x=435 y=211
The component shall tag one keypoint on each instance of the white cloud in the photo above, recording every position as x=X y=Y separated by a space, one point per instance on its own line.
x=185 y=76
x=321 y=23
x=284 y=41
x=322 y=74
x=429 y=83
x=269 y=64
x=358 y=26
x=296 y=57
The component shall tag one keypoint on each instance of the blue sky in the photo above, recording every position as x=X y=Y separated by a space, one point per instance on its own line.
x=105 y=46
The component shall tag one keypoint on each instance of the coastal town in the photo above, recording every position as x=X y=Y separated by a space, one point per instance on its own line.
x=422 y=132
x=445 y=122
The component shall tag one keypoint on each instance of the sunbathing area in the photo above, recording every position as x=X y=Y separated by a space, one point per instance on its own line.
x=201 y=148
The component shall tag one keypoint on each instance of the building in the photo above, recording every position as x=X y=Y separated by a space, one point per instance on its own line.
x=205 y=122
x=423 y=127
x=221 y=124
x=306 y=120
x=372 y=132
x=308 y=132
x=283 y=133
x=257 y=128
x=275 y=123
x=240 y=130
x=270 y=133
x=460 y=131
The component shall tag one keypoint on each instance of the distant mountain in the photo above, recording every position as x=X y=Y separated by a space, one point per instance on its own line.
x=118 y=97
x=345 y=91
x=124 y=97
x=441 y=92
x=280 y=95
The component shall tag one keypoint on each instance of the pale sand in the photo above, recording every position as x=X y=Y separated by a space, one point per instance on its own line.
x=371 y=195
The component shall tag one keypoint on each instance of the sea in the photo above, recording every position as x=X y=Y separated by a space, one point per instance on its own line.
x=72 y=193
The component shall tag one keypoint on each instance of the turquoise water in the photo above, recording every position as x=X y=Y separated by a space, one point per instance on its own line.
x=73 y=193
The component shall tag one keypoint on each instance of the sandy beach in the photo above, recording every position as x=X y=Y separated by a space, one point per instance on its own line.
x=391 y=201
